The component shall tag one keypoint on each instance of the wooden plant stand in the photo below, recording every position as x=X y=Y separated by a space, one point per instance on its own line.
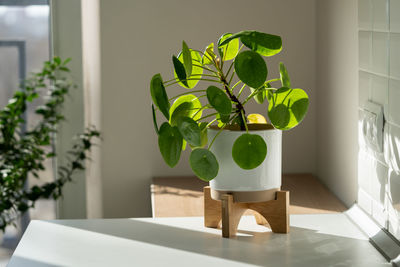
x=273 y=212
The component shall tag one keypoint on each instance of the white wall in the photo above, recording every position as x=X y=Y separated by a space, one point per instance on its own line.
x=138 y=39
x=67 y=42
x=337 y=102
x=91 y=61
x=379 y=172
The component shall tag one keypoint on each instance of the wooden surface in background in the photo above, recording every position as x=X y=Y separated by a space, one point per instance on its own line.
x=183 y=196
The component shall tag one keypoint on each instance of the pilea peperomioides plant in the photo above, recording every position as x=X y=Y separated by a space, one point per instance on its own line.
x=236 y=69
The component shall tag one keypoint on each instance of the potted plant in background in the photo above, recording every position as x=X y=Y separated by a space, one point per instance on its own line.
x=236 y=152
x=22 y=153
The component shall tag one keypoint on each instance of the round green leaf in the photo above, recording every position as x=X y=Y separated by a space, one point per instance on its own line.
x=285 y=80
x=187 y=59
x=189 y=130
x=222 y=118
x=228 y=51
x=208 y=55
x=287 y=104
x=196 y=70
x=249 y=151
x=170 y=144
x=159 y=95
x=204 y=164
x=154 y=119
x=260 y=96
x=219 y=100
x=185 y=106
x=251 y=68
x=180 y=70
x=279 y=116
x=263 y=43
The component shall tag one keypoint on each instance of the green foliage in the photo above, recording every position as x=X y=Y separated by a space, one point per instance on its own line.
x=180 y=70
x=23 y=153
x=189 y=130
x=262 y=43
x=285 y=80
x=185 y=106
x=204 y=164
x=251 y=69
x=249 y=151
x=223 y=101
x=219 y=100
x=228 y=51
x=159 y=95
x=196 y=72
x=287 y=107
x=208 y=55
x=170 y=143
x=187 y=59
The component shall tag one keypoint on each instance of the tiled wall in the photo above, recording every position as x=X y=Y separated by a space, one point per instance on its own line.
x=379 y=82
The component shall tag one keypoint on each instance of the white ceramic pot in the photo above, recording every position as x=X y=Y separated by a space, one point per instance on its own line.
x=232 y=178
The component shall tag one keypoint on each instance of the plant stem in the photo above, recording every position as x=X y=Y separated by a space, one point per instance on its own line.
x=209 y=115
x=220 y=130
x=206 y=75
x=236 y=84
x=241 y=90
x=239 y=105
x=208 y=80
x=229 y=69
x=273 y=80
x=230 y=80
x=187 y=93
x=244 y=119
x=211 y=122
x=290 y=91
x=200 y=109
x=213 y=71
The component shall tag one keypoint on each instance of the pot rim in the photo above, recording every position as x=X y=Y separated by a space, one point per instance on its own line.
x=253 y=127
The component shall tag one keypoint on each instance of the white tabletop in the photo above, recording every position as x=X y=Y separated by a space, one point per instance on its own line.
x=314 y=240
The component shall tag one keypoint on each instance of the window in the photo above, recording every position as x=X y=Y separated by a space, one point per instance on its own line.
x=24 y=46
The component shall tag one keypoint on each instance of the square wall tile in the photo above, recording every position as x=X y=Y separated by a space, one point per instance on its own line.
x=395 y=16
x=394 y=190
x=380 y=14
x=380 y=92
x=364 y=85
x=364 y=201
x=379 y=213
x=393 y=203
x=386 y=142
x=364 y=171
x=393 y=221
x=365 y=14
x=379 y=181
x=365 y=50
x=395 y=55
x=393 y=147
x=380 y=53
x=394 y=101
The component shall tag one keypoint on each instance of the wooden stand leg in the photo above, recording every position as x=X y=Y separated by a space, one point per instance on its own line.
x=260 y=219
x=231 y=214
x=274 y=212
x=212 y=209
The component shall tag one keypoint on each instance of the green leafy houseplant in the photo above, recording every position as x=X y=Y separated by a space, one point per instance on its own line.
x=236 y=69
x=22 y=153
